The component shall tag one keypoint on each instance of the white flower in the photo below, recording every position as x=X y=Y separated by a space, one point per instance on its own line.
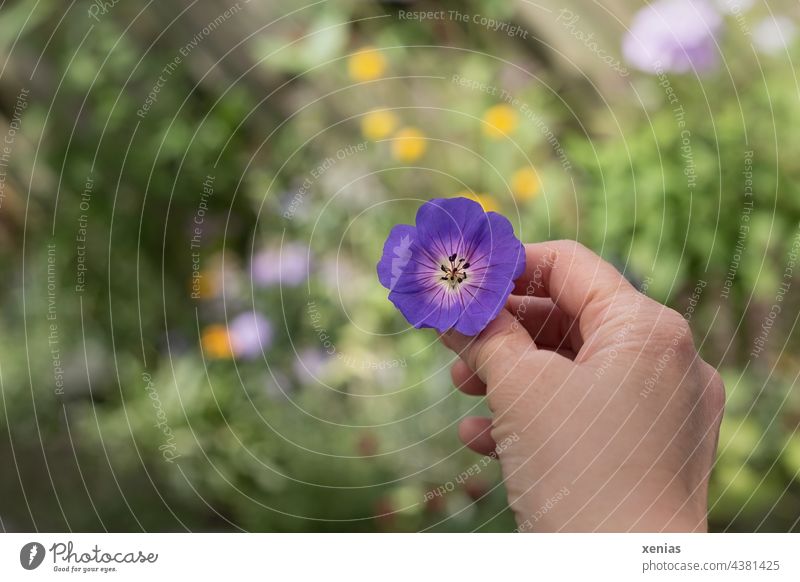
x=773 y=35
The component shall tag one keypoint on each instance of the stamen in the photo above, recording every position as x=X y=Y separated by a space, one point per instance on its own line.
x=456 y=273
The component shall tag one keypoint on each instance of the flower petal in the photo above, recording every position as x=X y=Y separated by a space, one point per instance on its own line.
x=484 y=304
x=435 y=307
x=444 y=225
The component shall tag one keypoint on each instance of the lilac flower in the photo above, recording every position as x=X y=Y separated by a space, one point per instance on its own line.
x=675 y=36
x=774 y=35
x=454 y=269
x=250 y=335
x=286 y=266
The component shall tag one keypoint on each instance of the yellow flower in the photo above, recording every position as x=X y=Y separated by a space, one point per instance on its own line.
x=366 y=65
x=409 y=145
x=216 y=342
x=487 y=202
x=205 y=284
x=499 y=121
x=379 y=124
x=525 y=184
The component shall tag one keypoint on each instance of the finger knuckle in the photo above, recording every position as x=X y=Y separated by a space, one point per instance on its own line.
x=674 y=320
x=669 y=336
x=673 y=327
x=569 y=247
x=716 y=392
x=489 y=347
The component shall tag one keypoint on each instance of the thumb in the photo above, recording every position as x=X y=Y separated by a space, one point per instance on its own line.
x=496 y=350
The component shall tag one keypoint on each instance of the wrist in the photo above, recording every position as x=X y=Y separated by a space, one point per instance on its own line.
x=617 y=510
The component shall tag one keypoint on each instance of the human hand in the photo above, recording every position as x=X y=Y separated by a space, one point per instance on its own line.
x=611 y=415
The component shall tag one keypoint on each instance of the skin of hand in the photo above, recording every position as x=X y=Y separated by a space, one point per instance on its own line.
x=608 y=419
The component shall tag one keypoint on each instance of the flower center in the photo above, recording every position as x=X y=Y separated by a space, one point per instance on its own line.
x=455 y=270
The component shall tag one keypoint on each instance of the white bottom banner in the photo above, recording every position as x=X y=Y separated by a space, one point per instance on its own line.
x=371 y=557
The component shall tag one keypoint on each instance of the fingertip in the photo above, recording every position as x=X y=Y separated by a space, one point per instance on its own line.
x=466 y=380
x=455 y=341
x=504 y=340
x=475 y=433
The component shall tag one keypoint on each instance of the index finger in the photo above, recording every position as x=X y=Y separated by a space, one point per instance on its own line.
x=579 y=282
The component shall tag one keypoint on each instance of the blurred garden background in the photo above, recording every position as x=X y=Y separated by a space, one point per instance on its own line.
x=193 y=197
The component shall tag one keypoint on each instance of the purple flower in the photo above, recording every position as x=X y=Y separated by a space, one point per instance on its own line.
x=454 y=269
x=250 y=334
x=287 y=265
x=676 y=36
